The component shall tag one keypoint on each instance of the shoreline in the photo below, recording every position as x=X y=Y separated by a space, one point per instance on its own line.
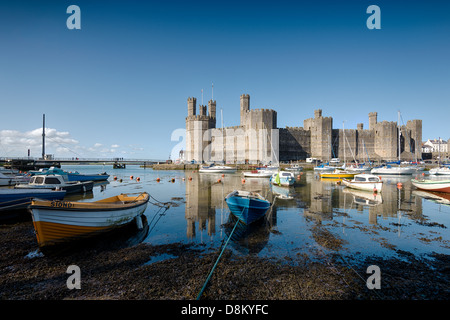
x=112 y=269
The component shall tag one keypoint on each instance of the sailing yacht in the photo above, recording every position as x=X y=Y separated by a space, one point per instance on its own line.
x=388 y=169
x=218 y=168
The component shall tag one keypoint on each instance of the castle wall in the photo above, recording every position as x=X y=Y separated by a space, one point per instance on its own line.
x=258 y=139
x=295 y=144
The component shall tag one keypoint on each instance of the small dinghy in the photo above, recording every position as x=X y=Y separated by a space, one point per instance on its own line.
x=247 y=206
x=59 y=222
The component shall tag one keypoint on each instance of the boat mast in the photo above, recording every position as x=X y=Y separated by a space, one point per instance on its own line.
x=43 y=137
x=223 y=139
x=398 y=125
x=343 y=130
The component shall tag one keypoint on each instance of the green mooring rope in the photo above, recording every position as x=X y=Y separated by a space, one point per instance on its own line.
x=217 y=261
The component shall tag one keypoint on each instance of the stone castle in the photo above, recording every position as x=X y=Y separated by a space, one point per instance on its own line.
x=259 y=140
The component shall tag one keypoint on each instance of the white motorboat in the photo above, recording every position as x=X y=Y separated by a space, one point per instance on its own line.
x=7 y=179
x=324 y=168
x=294 y=168
x=56 y=182
x=367 y=182
x=393 y=170
x=217 y=169
x=442 y=171
x=283 y=178
x=258 y=174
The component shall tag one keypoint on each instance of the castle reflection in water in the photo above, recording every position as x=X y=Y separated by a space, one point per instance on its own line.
x=315 y=199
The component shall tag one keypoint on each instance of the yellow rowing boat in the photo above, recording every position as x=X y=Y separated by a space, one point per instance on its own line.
x=57 y=222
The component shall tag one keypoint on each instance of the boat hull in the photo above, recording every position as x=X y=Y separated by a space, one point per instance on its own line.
x=59 y=222
x=366 y=186
x=338 y=176
x=217 y=169
x=247 y=210
x=432 y=185
x=283 y=178
x=70 y=188
x=13 y=199
x=393 y=171
x=440 y=171
x=87 y=177
x=258 y=174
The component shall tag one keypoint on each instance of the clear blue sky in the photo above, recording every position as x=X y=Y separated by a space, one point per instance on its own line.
x=118 y=87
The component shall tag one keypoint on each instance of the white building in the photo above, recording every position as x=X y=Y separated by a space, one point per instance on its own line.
x=435 y=145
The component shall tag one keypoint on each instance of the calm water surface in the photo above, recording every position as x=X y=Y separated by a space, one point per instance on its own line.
x=321 y=217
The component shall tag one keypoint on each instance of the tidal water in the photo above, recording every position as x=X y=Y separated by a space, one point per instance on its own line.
x=313 y=218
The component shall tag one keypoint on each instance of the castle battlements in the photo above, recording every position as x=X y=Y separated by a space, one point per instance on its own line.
x=316 y=138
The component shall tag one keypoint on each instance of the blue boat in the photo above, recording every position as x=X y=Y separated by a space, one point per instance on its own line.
x=17 y=199
x=73 y=176
x=247 y=206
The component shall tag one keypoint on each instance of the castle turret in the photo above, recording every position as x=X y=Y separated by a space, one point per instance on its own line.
x=191 y=106
x=212 y=108
x=245 y=106
x=372 y=120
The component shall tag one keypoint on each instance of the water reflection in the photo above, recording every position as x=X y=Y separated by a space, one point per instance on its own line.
x=400 y=217
x=305 y=206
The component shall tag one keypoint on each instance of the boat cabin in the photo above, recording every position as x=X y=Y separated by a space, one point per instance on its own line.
x=366 y=178
x=47 y=180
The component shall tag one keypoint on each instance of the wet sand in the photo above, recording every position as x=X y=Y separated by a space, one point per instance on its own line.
x=112 y=269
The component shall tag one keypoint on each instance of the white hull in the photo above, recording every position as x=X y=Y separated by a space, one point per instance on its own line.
x=366 y=186
x=286 y=179
x=394 y=171
x=91 y=218
x=324 y=169
x=430 y=185
x=217 y=169
x=10 y=180
x=440 y=171
x=259 y=174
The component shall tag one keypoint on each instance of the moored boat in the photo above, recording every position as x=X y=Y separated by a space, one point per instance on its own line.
x=15 y=199
x=442 y=171
x=432 y=185
x=337 y=174
x=62 y=222
x=73 y=176
x=324 y=168
x=390 y=170
x=216 y=169
x=247 y=206
x=10 y=179
x=258 y=173
x=56 y=181
x=368 y=182
x=282 y=178
x=295 y=168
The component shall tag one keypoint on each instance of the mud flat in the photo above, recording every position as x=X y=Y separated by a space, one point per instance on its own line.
x=114 y=269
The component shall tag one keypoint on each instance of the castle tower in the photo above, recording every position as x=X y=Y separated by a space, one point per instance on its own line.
x=197 y=130
x=245 y=107
x=372 y=120
x=321 y=135
x=192 y=106
x=415 y=138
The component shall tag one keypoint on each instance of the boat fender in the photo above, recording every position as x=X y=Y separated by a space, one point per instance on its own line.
x=243 y=180
x=131 y=177
x=158 y=179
